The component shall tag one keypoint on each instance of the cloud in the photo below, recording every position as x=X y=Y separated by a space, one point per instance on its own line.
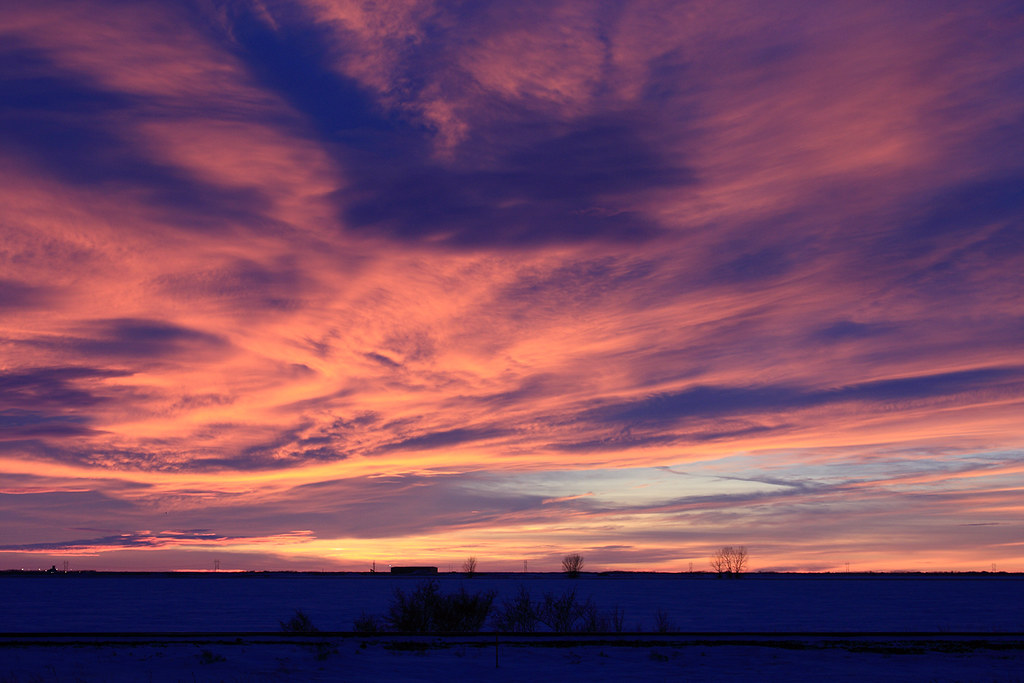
x=56 y=402
x=537 y=292
x=448 y=437
x=393 y=506
x=564 y=187
x=55 y=386
x=142 y=540
x=243 y=284
x=16 y=295
x=134 y=338
x=970 y=207
x=397 y=273
x=551 y=181
x=849 y=330
x=715 y=401
x=293 y=56
x=23 y=424
x=68 y=126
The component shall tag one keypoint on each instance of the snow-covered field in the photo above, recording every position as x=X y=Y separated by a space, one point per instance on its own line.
x=988 y=606
x=376 y=660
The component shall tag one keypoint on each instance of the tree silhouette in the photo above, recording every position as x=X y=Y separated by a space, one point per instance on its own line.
x=729 y=560
x=572 y=564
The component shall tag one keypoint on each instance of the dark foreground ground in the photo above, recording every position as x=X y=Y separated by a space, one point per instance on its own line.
x=159 y=627
x=607 y=657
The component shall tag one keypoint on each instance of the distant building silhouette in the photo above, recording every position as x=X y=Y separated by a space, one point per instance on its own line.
x=414 y=571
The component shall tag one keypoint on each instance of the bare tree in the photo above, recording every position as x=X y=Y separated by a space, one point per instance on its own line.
x=729 y=560
x=469 y=566
x=572 y=564
x=738 y=565
x=719 y=561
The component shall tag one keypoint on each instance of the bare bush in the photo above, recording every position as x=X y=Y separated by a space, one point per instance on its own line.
x=572 y=564
x=469 y=566
x=560 y=612
x=518 y=614
x=662 y=622
x=594 y=620
x=427 y=610
x=730 y=561
x=413 y=612
x=464 y=611
x=564 y=613
x=367 y=623
x=617 y=619
x=299 y=623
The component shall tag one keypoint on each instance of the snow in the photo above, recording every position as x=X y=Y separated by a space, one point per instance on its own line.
x=775 y=605
x=698 y=602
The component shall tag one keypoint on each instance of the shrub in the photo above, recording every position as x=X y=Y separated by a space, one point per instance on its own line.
x=469 y=567
x=463 y=611
x=560 y=612
x=427 y=610
x=563 y=613
x=367 y=623
x=617 y=617
x=412 y=612
x=299 y=623
x=662 y=622
x=518 y=614
x=594 y=620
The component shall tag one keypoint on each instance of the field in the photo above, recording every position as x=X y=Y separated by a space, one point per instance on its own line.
x=227 y=627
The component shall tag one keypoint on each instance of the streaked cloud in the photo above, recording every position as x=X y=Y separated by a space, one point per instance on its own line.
x=327 y=281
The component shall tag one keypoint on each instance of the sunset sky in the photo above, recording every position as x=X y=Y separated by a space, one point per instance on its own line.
x=313 y=284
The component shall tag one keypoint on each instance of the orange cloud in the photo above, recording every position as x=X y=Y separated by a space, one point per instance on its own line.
x=439 y=269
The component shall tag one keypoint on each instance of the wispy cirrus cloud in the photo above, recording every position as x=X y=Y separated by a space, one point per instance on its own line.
x=710 y=401
x=401 y=273
x=145 y=540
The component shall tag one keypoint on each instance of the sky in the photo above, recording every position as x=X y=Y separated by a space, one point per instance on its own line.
x=318 y=284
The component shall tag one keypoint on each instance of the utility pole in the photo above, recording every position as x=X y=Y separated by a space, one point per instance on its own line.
x=216 y=565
